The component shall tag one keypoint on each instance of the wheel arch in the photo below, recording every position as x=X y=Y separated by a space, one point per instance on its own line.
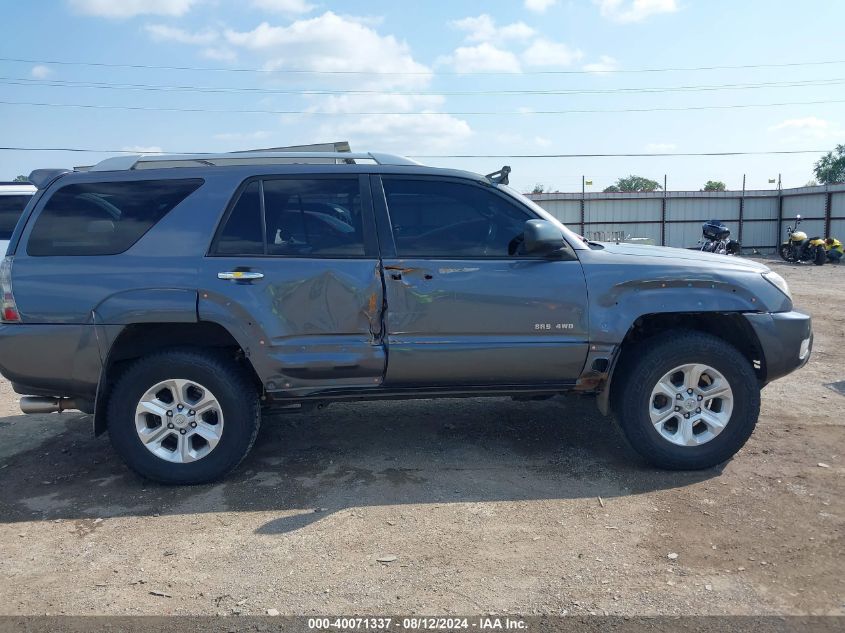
x=731 y=327
x=136 y=340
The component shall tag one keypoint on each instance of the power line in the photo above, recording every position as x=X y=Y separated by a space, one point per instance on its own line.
x=410 y=73
x=100 y=106
x=600 y=155
x=60 y=83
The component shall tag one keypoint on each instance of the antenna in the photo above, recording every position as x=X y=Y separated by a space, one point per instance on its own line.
x=499 y=177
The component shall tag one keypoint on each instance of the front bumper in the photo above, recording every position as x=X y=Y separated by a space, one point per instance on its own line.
x=786 y=340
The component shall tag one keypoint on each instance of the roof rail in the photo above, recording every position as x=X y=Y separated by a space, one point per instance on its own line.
x=156 y=161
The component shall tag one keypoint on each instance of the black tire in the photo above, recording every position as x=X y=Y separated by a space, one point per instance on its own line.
x=230 y=384
x=820 y=256
x=785 y=252
x=643 y=366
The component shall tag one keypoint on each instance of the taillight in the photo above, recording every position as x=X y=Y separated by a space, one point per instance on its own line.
x=9 y=309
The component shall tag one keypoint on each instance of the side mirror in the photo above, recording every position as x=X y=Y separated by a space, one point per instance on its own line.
x=542 y=238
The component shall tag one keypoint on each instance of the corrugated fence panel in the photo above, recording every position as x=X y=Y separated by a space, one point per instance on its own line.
x=807 y=206
x=623 y=210
x=613 y=231
x=837 y=209
x=837 y=205
x=614 y=215
x=688 y=234
x=702 y=209
x=837 y=230
x=760 y=234
x=567 y=211
x=760 y=208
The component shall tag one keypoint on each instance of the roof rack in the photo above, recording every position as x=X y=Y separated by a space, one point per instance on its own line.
x=156 y=161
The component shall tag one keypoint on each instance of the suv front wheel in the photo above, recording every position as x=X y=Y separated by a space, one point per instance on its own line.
x=183 y=416
x=689 y=400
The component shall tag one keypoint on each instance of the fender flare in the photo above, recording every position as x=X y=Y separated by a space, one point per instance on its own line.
x=118 y=311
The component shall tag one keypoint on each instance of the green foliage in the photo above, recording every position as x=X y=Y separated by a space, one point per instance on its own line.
x=538 y=188
x=612 y=189
x=634 y=183
x=21 y=179
x=830 y=168
x=714 y=185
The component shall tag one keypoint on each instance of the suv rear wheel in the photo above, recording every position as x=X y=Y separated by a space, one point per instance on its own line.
x=689 y=401
x=183 y=416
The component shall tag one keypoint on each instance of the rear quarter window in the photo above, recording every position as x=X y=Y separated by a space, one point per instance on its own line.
x=11 y=208
x=104 y=218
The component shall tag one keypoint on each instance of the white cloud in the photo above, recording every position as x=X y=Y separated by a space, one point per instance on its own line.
x=539 y=6
x=40 y=72
x=659 y=148
x=808 y=128
x=544 y=52
x=165 y=33
x=131 y=8
x=283 y=6
x=142 y=149
x=220 y=54
x=482 y=58
x=483 y=28
x=542 y=141
x=411 y=133
x=331 y=42
x=606 y=64
x=634 y=10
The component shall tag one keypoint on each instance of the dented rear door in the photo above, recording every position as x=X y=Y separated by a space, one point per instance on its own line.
x=294 y=270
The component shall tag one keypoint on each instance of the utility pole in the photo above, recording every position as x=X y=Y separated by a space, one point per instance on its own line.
x=583 y=195
x=663 y=214
x=741 y=211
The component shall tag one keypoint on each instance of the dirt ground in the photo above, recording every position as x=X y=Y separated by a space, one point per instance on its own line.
x=486 y=505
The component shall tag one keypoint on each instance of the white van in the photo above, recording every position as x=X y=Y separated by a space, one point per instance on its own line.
x=13 y=198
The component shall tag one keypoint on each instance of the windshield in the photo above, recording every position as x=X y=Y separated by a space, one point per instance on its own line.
x=573 y=238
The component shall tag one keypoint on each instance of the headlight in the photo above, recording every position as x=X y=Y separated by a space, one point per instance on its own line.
x=778 y=282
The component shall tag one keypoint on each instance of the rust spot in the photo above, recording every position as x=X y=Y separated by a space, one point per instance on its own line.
x=371 y=307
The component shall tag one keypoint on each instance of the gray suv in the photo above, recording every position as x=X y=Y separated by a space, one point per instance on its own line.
x=176 y=298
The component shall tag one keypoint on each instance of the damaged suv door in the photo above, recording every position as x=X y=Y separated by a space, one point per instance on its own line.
x=294 y=268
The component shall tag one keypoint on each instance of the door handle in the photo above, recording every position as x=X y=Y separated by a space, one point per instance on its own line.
x=240 y=275
x=396 y=271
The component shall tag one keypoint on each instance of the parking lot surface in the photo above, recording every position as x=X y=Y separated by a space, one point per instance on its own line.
x=444 y=506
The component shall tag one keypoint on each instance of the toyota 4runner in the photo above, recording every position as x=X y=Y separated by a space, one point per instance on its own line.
x=175 y=298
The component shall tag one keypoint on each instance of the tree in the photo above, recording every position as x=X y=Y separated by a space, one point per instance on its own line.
x=830 y=168
x=21 y=179
x=634 y=183
x=812 y=182
x=714 y=185
x=612 y=189
x=538 y=188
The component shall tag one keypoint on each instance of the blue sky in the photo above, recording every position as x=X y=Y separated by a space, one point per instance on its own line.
x=418 y=55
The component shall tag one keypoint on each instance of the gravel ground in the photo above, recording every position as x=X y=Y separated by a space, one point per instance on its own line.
x=480 y=505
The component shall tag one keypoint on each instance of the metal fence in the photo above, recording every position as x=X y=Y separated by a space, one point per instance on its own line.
x=756 y=218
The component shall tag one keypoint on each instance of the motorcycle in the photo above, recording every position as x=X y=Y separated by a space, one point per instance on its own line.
x=717 y=239
x=800 y=248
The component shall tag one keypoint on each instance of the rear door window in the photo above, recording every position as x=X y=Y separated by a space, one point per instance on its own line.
x=302 y=217
x=314 y=218
x=11 y=208
x=104 y=218
x=242 y=234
